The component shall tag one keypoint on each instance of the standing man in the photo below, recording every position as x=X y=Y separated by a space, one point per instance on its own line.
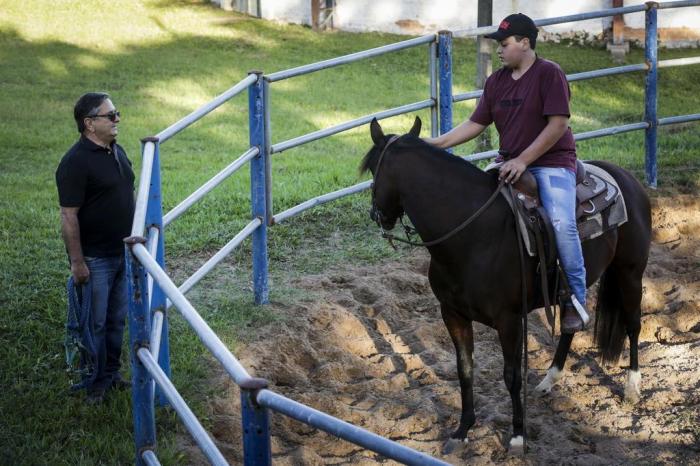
x=96 y=193
x=528 y=100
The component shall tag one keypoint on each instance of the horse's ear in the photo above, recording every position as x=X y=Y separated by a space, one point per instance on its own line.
x=415 y=131
x=376 y=131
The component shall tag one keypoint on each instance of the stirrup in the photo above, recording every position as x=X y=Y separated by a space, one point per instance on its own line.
x=581 y=310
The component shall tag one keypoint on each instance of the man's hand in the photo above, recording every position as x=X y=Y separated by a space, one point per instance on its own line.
x=80 y=271
x=512 y=170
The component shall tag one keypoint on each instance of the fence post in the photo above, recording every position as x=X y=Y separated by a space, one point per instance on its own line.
x=445 y=71
x=139 y=337
x=256 y=425
x=258 y=187
x=433 y=72
x=651 y=92
x=154 y=218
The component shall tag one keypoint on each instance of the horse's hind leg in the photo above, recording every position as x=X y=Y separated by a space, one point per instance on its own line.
x=630 y=281
x=511 y=339
x=463 y=338
x=556 y=370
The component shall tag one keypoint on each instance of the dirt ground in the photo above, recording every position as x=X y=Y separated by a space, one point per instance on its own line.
x=373 y=350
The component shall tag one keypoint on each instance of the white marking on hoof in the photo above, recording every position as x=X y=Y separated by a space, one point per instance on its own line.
x=632 y=390
x=552 y=377
x=517 y=445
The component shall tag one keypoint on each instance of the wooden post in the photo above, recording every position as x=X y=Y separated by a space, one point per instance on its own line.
x=618 y=48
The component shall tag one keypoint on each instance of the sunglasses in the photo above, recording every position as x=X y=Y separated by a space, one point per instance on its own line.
x=111 y=116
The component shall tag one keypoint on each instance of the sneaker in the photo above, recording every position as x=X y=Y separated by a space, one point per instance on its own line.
x=95 y=397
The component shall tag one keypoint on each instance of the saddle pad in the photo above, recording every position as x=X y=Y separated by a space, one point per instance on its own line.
x=589 y=227
x=593 y=226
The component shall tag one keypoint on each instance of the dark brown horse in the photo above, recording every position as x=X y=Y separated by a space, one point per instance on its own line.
x=475 y=274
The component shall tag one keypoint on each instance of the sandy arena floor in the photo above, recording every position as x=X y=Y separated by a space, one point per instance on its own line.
x=374 y=351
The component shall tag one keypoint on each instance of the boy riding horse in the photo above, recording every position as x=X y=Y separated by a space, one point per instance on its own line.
x=528 y=100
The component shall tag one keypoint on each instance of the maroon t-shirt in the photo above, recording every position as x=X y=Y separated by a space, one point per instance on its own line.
x=519 y=108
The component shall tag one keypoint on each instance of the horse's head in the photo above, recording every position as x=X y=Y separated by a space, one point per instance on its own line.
x=386 y=206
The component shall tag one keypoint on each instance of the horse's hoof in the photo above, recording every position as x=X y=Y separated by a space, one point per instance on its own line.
x=552 y=377
x=453 y=444
x=632 y=391
x=516 y=446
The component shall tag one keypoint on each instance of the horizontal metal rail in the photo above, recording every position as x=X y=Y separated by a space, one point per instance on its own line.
x=219 y=256
x=353 y=57
x=178 y=126
x=611 y=131
x=150 y=458
x=679 y=62
x=139 y=222
x=178 y=403
x=232 y=366
x=679 y=4
x=344 y=430
x=679 y=119
x=480 y=156
x=578 y=137
x=480 y=31
x=306 y=138
x=570 y=77
x=598 y=74
x=215 y=181
x=316 y=201
x=467 y=96
x=607 y=72
x=600 y=133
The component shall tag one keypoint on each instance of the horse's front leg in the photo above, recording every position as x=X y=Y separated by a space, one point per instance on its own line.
x=462 y=335
x=510 y=335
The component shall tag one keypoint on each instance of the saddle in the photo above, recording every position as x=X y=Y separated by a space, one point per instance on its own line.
x=600 y=207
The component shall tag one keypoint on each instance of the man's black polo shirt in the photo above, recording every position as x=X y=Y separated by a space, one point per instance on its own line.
x=101 y=183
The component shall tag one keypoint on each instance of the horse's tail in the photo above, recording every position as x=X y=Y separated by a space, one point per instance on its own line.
x=610 y=331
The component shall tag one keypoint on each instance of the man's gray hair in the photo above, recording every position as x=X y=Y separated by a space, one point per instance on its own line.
x=88 y=105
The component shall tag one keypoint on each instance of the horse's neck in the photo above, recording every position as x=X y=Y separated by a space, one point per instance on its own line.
x=438 y=192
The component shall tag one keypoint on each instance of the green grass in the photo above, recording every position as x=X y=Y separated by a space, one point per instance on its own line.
x=160 y=60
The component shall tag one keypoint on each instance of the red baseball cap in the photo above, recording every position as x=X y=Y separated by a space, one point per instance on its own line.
x=515 y=24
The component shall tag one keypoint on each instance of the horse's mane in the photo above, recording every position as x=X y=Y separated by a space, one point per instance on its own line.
x=409 y=142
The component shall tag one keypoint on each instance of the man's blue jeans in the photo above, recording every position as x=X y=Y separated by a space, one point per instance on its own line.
x=557 y=187
x=109 y=308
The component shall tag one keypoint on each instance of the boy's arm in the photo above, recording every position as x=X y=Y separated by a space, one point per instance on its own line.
x=462 y=133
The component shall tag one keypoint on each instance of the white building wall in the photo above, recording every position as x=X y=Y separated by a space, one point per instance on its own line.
x=674 y=18
x=425 y=16
x=289 y=11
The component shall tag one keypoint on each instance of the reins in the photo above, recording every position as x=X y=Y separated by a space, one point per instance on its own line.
x=390 y=237
x=523 y=297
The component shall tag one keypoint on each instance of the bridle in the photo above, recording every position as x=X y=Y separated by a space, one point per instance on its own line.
x=376 y=214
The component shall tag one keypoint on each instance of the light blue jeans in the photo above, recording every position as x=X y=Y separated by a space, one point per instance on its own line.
x=557 y=187
x=109 y=309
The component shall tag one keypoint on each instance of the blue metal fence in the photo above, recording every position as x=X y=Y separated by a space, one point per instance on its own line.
x=152 y=292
